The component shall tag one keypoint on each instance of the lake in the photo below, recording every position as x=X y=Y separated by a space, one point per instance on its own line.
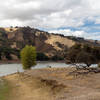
x=6 y=69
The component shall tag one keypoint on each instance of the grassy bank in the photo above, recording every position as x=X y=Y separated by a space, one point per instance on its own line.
x=4 y=89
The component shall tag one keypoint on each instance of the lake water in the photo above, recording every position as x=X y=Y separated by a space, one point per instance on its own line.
x=6 y=69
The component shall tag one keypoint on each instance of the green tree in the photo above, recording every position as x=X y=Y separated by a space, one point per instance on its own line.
x=28 y=57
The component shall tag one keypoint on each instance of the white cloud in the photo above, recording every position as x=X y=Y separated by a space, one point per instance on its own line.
x=30 y=5
x=49 y=14
x=68 y=32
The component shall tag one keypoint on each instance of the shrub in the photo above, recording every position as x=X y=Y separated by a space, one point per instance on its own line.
x=56 y=58
x=42 y=57
x=28 y=57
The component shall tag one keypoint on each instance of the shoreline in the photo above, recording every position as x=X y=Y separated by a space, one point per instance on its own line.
x=18 y=61
x=46 y=68
x=10 y=61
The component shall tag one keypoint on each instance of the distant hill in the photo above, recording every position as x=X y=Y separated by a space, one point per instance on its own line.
x=12 y=40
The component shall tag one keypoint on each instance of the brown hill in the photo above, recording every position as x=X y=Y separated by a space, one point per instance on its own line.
x=50 y=44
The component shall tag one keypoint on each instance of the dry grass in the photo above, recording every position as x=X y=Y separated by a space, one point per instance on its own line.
x=26 y=87
x=54 y=39
x=9 y=29
x=54 y=84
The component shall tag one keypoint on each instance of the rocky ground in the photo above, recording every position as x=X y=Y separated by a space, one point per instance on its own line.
x=54 y=84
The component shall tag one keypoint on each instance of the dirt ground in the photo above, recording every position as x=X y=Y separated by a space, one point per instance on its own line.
x=54 y=84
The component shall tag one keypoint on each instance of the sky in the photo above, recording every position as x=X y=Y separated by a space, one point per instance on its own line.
x=79 y=18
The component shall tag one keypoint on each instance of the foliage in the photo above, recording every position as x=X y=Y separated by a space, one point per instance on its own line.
x=28 y=57
x=7 y=51
x=42 y=57
x=56 y=58
x=83 y=53
x=86 y=58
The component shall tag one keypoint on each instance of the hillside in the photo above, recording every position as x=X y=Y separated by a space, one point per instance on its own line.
x=12 y=40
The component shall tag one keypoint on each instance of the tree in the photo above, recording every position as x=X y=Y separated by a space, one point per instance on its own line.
x=85 y=58
x=72 y=54
x=96 y=53
x=42 y=57
x=56 y=58
x=28 y=57
x=83 y=54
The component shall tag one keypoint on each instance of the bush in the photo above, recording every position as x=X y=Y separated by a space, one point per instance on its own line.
x=42 y=57
x=6 y=52
x=56 y=58
x=28 y=57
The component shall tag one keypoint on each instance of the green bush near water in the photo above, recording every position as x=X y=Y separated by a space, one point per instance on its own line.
x=28 y=57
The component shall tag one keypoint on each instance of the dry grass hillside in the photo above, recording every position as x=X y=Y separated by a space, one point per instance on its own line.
x=54 y=39
x=10 y=29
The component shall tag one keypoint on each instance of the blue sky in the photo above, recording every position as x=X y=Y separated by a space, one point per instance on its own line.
x=90 y=30
x=69 y=17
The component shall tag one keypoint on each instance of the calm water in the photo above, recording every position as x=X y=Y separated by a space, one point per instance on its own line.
x=6 y=69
